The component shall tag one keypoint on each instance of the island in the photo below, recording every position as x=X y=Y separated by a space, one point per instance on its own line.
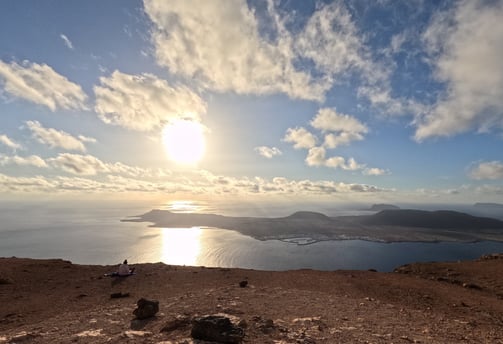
x=305 y=227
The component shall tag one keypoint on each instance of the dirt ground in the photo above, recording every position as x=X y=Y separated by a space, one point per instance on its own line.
x=55 y=301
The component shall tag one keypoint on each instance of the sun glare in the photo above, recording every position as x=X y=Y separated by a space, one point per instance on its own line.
x=181 y=246
x=184 y=141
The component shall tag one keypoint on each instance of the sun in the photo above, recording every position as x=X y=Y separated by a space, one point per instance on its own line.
x=184 y=141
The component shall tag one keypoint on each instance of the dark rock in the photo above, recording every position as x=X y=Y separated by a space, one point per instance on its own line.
x=491 y=256
x=243 y=284
x=5 y=280
x=471 y=286
x=216 y=328
x=146 y=308
x=266 y=326
x=372 y=270
x=118 y=295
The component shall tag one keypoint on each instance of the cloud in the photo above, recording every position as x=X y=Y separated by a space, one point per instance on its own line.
x=67 y=42
x=300 y=137
x=227 y=47
x=54 y=138
x=340 y=162
x=144 y=102
x=6 y=141
x=40 y=84
x=26 y=184
x=86 y=139
x=268 y=152
x=200 y=182
x=316 y=156
x=492 y=170
x=345 y=128
x=374 y=171
x=465 y=50
x=32 y=160
x=86 y=165
x=332 y=41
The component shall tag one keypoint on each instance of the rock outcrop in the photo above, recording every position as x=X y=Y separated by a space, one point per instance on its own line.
x=216 y=328
x=146 y=308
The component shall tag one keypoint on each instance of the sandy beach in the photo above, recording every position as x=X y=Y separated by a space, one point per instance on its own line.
x=55 y=301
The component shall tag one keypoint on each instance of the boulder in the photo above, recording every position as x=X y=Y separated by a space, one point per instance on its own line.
x=216 y=328
x=146 y=308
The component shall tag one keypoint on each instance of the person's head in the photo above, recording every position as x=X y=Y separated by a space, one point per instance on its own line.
x=125 y=261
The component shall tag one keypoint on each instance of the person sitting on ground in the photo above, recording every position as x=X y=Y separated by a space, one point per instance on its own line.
x=124 y=269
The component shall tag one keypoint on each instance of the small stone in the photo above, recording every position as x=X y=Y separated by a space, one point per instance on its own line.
x=243 y=284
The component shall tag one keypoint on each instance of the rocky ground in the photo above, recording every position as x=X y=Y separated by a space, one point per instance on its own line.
x=55 y=301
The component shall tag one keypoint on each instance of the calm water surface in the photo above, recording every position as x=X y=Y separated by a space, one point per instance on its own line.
x=88 y=235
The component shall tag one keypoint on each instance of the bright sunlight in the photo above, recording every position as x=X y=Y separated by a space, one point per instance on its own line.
x=184 y=141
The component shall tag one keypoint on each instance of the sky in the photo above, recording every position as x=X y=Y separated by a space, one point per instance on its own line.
x=343 y=101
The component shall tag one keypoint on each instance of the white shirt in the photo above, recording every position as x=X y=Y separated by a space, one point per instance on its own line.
x=123 y=269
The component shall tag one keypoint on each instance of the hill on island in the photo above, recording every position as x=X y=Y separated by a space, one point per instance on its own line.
x=383 y=206
x=443 y=219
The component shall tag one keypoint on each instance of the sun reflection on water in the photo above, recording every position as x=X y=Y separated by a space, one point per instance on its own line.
x=187 y=207
x=181 y=246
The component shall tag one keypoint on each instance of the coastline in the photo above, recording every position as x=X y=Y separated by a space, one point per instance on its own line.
x=53 y=300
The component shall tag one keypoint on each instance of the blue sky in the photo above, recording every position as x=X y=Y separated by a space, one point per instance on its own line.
x=306 y=100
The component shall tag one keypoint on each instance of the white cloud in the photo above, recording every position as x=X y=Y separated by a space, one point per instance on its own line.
x=330 y=120
x=340 y=162
x=300 y=137
x=345 y=128
x=202 y=182
x=86 y=165
x=332 y=41
x=26 y=184
x=40 y=84
x=90 y=165
x=219 y=44
x=5 y=140
x=487 y=170
x=87 y=139
x=32 y=160
x=316 y=156
x=67 y=41
x=144 y=102
x=268 y=152
x=374 y=171
x=466 y=51
x=54 y=138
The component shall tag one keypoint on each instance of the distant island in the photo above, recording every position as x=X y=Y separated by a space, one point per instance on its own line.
x=305 y=227
x=383 y=206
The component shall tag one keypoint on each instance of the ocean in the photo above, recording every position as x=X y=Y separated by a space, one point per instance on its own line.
x=91 y=233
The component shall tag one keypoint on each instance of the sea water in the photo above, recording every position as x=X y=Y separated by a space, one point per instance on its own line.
x=94 y=234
